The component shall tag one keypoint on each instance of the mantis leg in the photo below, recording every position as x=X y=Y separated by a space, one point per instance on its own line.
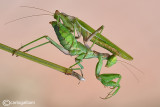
x=85 y=40
x=36 y=46
x=107 y=79
x=78 y=59
x=50 y=41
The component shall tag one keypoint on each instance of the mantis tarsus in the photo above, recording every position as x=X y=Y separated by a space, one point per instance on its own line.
x=65 y=26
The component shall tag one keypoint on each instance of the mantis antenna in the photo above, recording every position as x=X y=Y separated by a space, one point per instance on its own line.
x=132 y=66
x=37 y=9
x=122 y=62
x=130 y=72
x=27 y=17
x=32 y=15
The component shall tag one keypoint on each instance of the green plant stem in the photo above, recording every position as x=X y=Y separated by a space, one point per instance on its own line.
x=41 y=61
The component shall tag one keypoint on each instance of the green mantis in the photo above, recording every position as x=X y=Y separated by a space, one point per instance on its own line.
x=65 y=27
x=72 y=47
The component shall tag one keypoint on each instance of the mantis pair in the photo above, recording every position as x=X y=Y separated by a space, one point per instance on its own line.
x=65 y=27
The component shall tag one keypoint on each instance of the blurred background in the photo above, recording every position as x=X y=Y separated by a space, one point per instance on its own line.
x=131 y=24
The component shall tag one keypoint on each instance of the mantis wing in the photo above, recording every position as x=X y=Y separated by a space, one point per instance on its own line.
x=102 y=41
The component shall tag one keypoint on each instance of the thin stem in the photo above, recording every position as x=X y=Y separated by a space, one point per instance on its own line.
x=42 y=61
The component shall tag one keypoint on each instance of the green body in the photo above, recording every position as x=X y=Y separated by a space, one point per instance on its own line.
x=68 y=41
x=73 y=23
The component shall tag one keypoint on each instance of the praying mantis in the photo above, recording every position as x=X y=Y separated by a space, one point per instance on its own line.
x=65 y=27
x=72 y=47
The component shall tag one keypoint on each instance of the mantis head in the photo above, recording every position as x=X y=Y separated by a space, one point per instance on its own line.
x=111 y=61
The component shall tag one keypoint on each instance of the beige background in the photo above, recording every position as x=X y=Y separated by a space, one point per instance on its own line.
x=131 y=24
